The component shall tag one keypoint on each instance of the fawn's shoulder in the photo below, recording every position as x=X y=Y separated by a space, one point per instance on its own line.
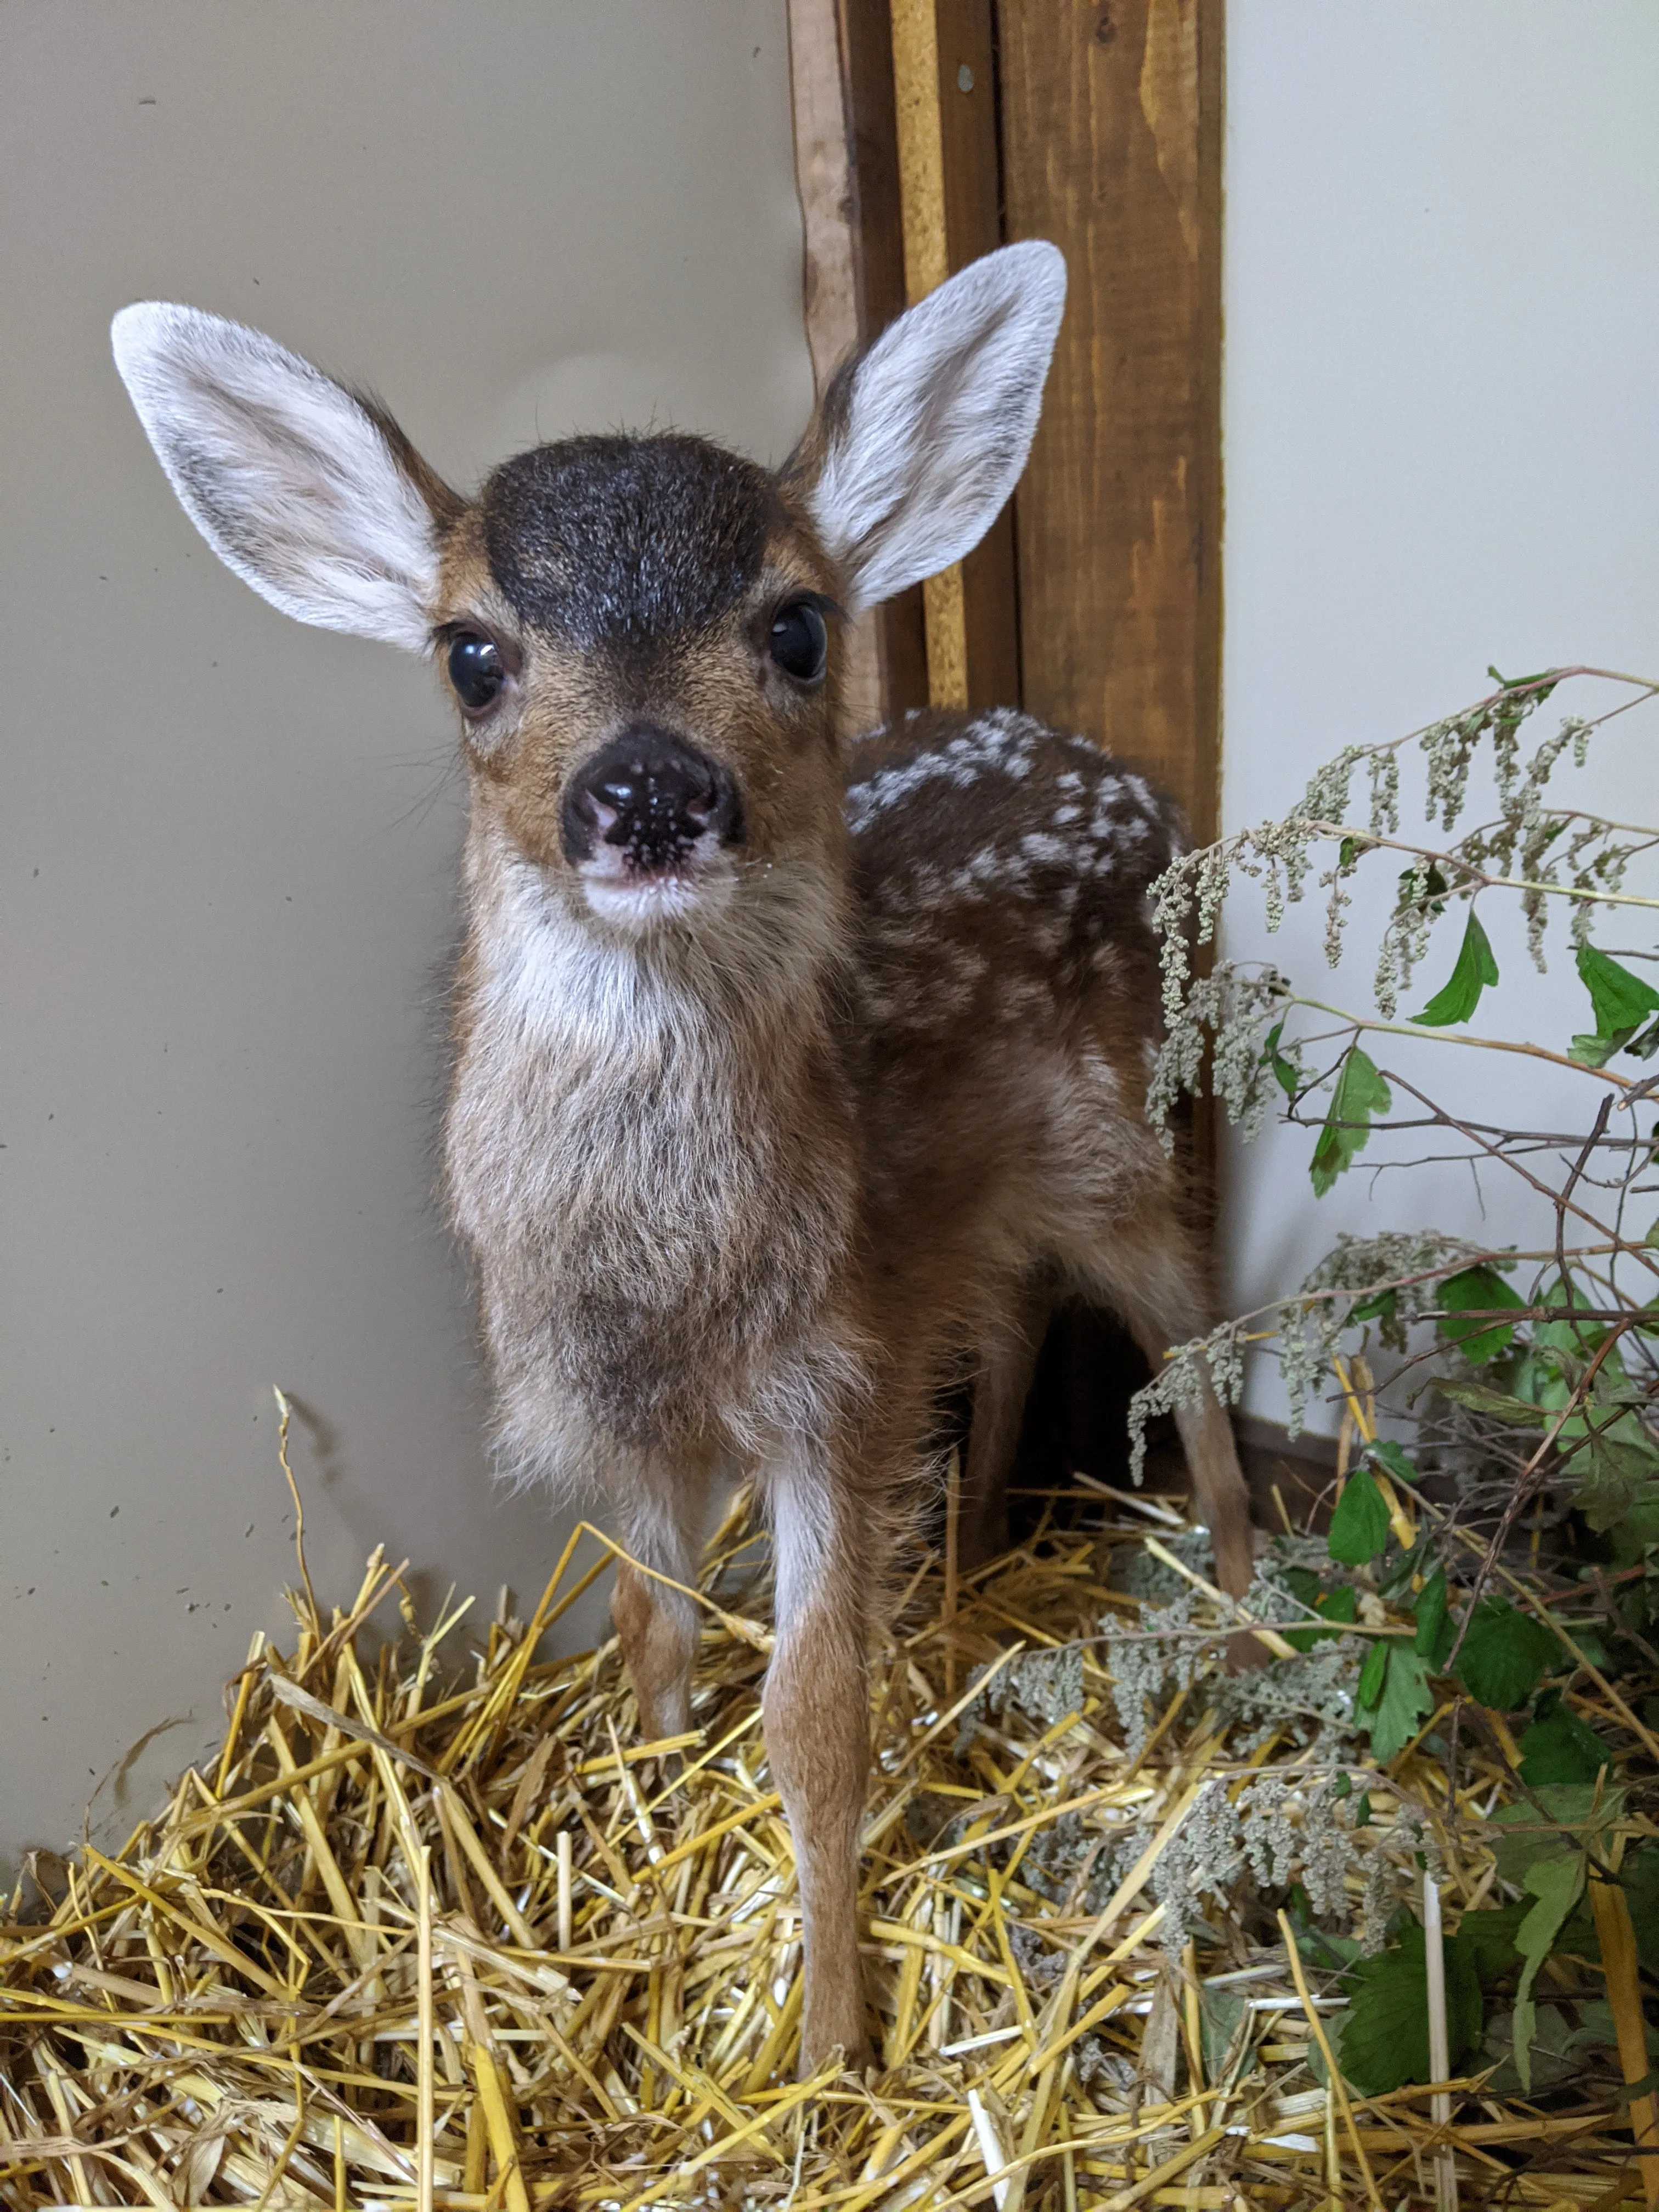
x=1000 y=865
x=995 y=802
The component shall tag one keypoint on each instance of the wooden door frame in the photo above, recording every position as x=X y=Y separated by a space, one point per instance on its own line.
x=1096 y=602
x=928 y=132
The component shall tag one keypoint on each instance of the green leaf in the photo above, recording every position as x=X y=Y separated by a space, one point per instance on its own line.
x=1571 y=1815
x=1340 y=1605
x=1620 y=1459
x=1559 y=1747
x=1393 y=1715
x=1359 y=1526
x=1347 y=852
x=1486 y=1938
x=1380 y=1307
x=1597 y=2031
x=1433 y=893
x=1434 y=1629
x=1504 y=1654
x=1594 y=1647
x=1391 y=1457
x=1360 y=1092
x=1621 y=1000
x=1578 y=1338
x=1555 y=1882
x=1225 y=2023
x=1477 y=1290
x=1639 y=1878
x=1550 y=2063
x=1398 y=1573
x=1474 y=969
x=1384 y=2039
x=1521 y=682
x=1320 y=1950
x=1373 y=1673
x=1285 y=1070
x=1630 y=1542
x=1597 y=1051
x=1501 y=1404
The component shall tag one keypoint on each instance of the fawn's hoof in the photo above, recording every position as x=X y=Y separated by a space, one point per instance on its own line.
x=854 y=2052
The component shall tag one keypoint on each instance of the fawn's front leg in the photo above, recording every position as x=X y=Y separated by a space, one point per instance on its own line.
x=661 y=1510
x=818 y=1740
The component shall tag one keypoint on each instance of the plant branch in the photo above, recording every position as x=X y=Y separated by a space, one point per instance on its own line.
x=1459 y=1036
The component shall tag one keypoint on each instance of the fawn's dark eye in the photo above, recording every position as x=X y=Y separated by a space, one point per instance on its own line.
x=799 y=642
x=475 y=671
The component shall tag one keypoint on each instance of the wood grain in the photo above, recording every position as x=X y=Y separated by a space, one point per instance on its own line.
x=973 y=219
x=823 y=179
x=831 y=268
x=1111 y=147
x=867 y=47
x=917 y=91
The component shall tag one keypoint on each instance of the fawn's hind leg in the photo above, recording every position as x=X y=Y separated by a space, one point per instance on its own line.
x=1219 y=1489
x=1158 y=1288
x=1002 y=1383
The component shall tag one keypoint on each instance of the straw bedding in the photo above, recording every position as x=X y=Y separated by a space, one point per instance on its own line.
x=435 y=1930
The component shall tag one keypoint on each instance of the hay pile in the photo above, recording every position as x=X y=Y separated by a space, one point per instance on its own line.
x=421 y=1941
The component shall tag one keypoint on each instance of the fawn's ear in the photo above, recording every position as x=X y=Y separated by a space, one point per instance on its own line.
x=308 y=492
x=921 y=439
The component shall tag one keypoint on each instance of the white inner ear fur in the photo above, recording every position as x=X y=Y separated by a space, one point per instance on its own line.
x=286 y=475
x=939 y=419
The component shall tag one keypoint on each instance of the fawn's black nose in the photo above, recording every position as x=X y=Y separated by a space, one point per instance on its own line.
x=653 y=795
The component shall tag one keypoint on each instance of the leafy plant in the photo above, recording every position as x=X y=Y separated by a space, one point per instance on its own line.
x=1393 y=1696
x=1359 y=1526
x=1507 y=1530
x=1504 y=1655
x=1473 y=1291
x=1460 y=995
x=1384 y=2040
x=1360 y=1093
x=1620 y=1001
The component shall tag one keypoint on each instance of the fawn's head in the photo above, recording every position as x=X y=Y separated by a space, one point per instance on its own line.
x=642 y=634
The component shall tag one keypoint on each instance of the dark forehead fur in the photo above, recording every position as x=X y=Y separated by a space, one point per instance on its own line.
x=621 y=542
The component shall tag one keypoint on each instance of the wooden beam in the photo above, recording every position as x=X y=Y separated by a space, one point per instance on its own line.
x=848 y=164
x=832 y=274
x=973 y=220
x=917 y=95
x=1111 y=146
x=950 y=171
x=846 y=172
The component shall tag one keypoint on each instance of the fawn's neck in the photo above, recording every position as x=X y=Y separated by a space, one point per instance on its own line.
x=651 y=1147
x=745 y=994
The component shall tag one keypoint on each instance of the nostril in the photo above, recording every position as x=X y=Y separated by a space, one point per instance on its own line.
x=655 y=797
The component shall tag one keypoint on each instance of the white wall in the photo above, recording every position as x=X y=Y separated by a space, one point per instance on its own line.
x=225 y=878
x=1442 y=427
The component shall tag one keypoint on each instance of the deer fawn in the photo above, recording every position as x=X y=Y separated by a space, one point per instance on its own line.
x=795 y=1079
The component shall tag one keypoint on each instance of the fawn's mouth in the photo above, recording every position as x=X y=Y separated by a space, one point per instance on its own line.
x=635 y=890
